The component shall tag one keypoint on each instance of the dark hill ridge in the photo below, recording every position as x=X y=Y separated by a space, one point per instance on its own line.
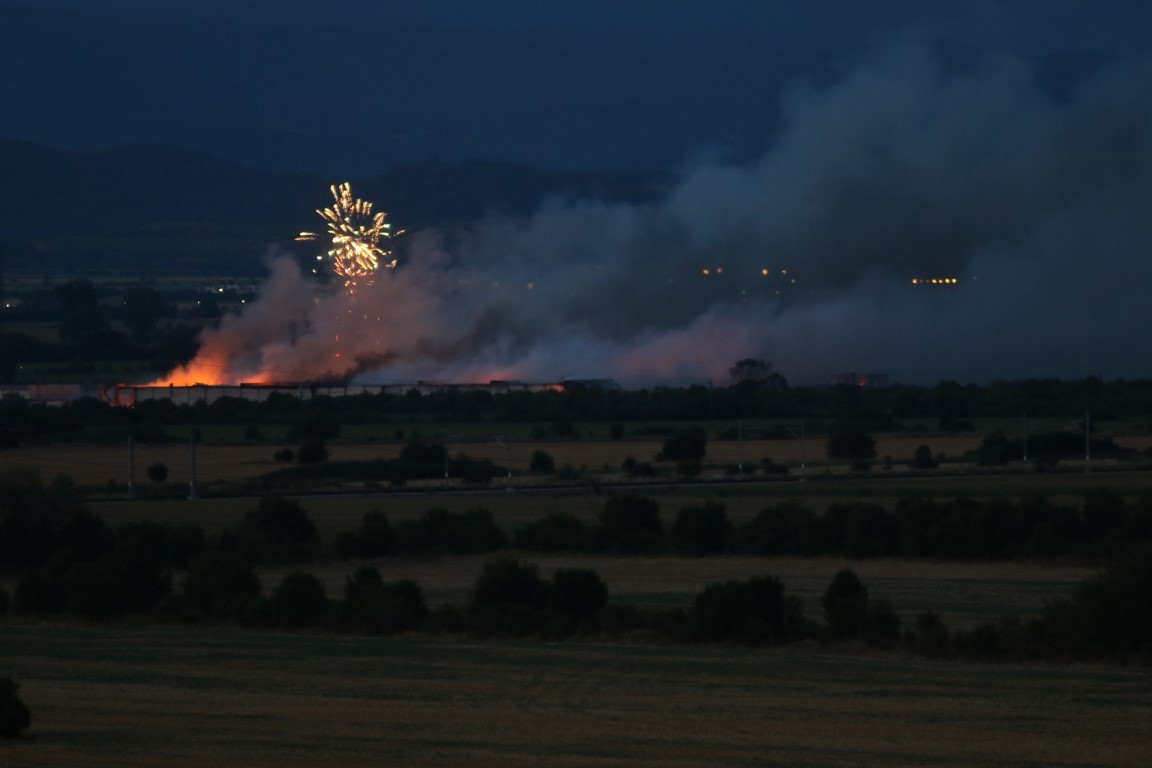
x=62 y=197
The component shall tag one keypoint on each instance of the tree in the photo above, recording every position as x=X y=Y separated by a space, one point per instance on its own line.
x=376 y=607
x=542 y=462
x=577 y=593
x=217 y=580
x=14 y=715
x=923 y=458
x=508 y=597
x=299 y=600
x=158 y=472
x=556 y=532
x=312 y=451
x=846 y=605
x=314 y=424
x=757 y=373
x=278 y=530
x=754 y=611
x=38 y=593
x=849 y=442
x=631 y=524
x=456 y=532
x=689 y=445
x=701 y=530
x=143 y=306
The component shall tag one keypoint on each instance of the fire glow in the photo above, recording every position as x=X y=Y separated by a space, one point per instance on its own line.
x=356 y=255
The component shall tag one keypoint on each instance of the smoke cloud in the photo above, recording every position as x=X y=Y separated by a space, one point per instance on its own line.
x=905 y=168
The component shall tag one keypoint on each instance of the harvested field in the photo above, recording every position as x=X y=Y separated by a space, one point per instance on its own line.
x=195 y=696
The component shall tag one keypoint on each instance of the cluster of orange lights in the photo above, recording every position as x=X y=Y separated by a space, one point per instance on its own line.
x=935 y=281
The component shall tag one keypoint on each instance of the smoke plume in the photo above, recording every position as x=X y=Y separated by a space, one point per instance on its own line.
x=904 y=169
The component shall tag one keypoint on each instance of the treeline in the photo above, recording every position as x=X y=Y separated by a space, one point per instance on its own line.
x=633 y=413
x=136 y=323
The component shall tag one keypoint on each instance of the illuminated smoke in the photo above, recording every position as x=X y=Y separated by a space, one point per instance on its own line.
x=905 y=168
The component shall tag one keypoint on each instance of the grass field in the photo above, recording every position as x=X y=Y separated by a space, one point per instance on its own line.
x=195 y=696
x=96 y=465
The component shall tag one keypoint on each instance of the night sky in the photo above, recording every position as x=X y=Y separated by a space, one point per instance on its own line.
x=353 y=86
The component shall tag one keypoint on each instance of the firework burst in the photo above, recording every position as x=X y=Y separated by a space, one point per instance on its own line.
x=356 y=234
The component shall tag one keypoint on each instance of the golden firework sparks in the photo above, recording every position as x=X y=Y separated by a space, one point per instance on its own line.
x=356 y=233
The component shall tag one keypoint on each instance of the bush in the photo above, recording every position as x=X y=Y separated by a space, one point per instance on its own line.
x=755 y=611
x=848 y=442
x=142 y=575
x=557 y=532
x=455 y=532
x=81 y=536
x=312 y=452
x=508 y=598
x=930 y=636
x=14 y=716
x=284 y=456
x=171 y=546
x=689 y=445
x=314 y=425
x=846 y=605
x=373 y=606
x=577 y=593
x=922 y=459
x=375 y=538
x=299 y=600
x=1104 y=512
x=158 y=472
x=4 y=601
x=217 y=581
x=38 y=593
x=1110 y=614
x=701 y=530
x=277 y=531
x=542 y=463
x=790 y=528
x=479 y=472
x=630 y=524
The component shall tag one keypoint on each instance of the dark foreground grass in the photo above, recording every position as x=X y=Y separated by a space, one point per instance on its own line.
x=221 y=697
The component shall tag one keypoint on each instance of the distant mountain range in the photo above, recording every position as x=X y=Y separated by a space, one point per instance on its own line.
x=116 y=207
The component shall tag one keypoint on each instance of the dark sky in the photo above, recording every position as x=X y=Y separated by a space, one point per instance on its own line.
x=352 y=86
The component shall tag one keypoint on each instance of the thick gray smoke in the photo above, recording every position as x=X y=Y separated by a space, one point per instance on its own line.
x=904 y=169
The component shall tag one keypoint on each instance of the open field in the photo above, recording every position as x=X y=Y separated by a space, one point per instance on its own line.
x=93 y=465
x=221 y=697
x=137 y=695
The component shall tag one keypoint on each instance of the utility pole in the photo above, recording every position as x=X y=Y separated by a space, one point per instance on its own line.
x=740 y=448
x=1025 y=438
x=1086 y=426
x=507 y=452
x=192 y=494
x=1087 y=441
x=131 y=467
x=800 y=436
